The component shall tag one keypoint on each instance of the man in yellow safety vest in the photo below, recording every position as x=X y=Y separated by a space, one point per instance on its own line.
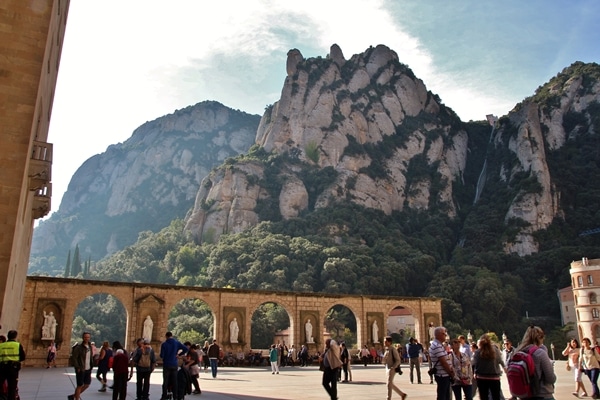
x=11 y=356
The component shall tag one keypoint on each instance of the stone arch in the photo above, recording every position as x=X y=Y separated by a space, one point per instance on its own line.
x=332 y=328
x=94 y=300
x=401 y=324
x=265 y=341
x=191 y=319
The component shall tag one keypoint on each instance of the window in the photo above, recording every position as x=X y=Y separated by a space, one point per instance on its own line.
x=590 y=280
x=566 y=308
x=593 y=298
x=595 y=313
x=579 y=281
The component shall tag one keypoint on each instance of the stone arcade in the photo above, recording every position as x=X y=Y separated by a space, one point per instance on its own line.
x=61 y=297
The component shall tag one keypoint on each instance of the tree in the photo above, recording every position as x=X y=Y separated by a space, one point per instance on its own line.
x=76 y=266
x=68 y=265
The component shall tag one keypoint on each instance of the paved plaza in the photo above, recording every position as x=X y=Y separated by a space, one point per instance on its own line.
x=258 y=383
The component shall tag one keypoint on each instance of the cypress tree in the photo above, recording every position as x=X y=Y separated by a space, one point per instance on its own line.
x=68 y=266
x=76 y=265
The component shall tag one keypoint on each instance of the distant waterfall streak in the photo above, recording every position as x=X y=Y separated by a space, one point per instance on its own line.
x=482 y=175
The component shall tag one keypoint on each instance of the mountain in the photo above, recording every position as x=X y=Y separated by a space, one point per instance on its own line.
x=361 y=181
x=379 y=139
x=141 y=184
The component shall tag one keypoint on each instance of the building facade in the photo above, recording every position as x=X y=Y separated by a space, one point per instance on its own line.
x=31 y=41
x=585 y=283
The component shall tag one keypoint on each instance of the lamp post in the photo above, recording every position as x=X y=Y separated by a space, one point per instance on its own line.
x=552 y=348
x=470 y=337
x=504 y=337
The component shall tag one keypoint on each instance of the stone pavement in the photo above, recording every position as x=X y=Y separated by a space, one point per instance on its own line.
x=258 y=383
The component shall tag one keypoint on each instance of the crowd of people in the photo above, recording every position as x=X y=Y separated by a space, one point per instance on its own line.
x=460 y=369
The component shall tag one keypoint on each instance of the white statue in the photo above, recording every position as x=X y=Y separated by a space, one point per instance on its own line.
x=431 y=331
x=234 y=330
x=148 y=325
x=308 y=328
x=49 y=327
x=375 y=332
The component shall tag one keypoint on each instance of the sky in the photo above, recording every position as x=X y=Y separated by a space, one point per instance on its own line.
x=127 y=62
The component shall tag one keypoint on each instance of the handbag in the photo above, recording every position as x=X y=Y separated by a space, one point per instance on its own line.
x=568 y=366
x=399 y=370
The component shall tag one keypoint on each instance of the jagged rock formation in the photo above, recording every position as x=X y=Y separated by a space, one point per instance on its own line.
x=393 y=146
x=329 y=111
x=143 y=183
x=534 y=127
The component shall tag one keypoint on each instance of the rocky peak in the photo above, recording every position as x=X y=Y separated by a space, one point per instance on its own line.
x=330 y=110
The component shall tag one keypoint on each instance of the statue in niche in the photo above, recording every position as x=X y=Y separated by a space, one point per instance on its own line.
x=234 y=331
x=148 y=326
x=375 y=332
x=308 y=328
x=49 y=327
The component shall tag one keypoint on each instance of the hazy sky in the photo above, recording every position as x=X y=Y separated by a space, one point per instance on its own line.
x=128 y=62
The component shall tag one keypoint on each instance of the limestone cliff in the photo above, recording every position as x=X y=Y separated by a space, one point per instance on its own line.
x=391 y=143
x=143 y=183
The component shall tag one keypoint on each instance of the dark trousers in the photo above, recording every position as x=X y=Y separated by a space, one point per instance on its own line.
x=330 y=382
x=142 y=386
x=9 y=372
x=487 y=387
x=214 y=365
x=443 y=387
x=467 y=389
x=169 y=381
x=345 y=367
x=119 y=386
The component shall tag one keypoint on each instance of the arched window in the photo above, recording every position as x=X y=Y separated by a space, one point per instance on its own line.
x=593 y=298
x=595 y=313
x=575 y=298
x=590 y=280
x=579 y=281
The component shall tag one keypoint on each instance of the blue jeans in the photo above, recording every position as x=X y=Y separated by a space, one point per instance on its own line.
x=213 y=366
x=443 y=387
x=467 y=389
x=593 y=375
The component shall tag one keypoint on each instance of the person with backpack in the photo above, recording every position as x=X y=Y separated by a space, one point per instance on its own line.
x=532 y=352
x=144 y=360
x=486 y=362
x=588 y=362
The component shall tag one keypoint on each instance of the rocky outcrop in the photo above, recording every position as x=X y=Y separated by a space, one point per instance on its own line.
x=539 y=125
x=329 y=106
x=143 y=183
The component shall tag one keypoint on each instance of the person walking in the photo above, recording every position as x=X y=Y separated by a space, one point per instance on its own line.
x=11 y=357
x=83 y=363
x=168 y=352
x=364 y=355
x=391 y=359
x=544 y=366
x=144 y=360
x=106 y=353
x=213 y=357
x=444 y=374
x=120 y=368
x=345 y=357
x=588 y=361
x=51 y=357
x=273 y=357
x=572 y=352
x=331 y=363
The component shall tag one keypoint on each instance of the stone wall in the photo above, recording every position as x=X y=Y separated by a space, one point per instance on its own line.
x=62 y=296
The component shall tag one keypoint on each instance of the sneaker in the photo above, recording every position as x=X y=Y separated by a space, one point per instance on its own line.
x=102 y=389
x=197 y=392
